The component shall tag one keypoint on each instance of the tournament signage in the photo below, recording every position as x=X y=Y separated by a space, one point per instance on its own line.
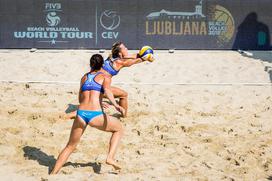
x=179 y=24
x=54 y=31
x=216 y=23
x=110 y=21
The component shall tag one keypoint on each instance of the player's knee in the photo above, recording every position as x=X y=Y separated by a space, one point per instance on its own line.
x=120 y=130
x=71 y=147
x=124 y=94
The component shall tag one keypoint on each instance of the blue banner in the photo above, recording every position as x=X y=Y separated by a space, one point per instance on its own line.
x=162 y=24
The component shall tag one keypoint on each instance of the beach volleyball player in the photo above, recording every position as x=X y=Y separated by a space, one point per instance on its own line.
x=118 y=59
x=90 y=112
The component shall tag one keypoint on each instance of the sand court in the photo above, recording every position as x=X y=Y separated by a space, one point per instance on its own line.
x=193 y=115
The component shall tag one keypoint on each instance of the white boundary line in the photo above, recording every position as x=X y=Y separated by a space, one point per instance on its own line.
x=141 y=83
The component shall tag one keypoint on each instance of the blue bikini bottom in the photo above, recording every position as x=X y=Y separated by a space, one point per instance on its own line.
x=87 y=116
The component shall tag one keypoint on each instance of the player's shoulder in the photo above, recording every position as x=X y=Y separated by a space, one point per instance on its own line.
x=102 y=75
x=84 y=77
x=106 y=76
x=119 y=62
x=116 y=60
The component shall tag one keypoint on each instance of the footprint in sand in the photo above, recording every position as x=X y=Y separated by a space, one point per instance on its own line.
x=12 y=112
x=233 y=161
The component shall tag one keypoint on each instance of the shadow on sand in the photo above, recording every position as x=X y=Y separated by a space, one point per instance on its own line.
x=252 y=35
x=33 y=153
x=264 y=56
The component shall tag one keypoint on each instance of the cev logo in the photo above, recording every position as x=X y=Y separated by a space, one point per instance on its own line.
x=110 y=20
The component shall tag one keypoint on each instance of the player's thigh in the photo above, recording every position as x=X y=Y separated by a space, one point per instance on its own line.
x=106 y=123
x=77 y=130
x=118 y=92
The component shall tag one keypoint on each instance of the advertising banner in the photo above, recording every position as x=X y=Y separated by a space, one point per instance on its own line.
x=162 y=24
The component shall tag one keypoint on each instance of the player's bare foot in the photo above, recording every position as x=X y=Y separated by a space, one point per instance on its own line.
x=123 y=115
x=113 y=163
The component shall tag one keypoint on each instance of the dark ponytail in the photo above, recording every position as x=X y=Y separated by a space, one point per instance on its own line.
x=96 y=62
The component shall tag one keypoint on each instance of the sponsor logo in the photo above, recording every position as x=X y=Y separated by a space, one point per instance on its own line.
x=110 y=20
x=52 y=18
x=217 y=22
x=221 y=24
x=53 y=33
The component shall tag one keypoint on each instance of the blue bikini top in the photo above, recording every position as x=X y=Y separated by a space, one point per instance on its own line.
x=91 y=84
x=109 y=67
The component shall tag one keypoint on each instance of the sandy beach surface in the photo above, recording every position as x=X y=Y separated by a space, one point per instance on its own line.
x=193 y=115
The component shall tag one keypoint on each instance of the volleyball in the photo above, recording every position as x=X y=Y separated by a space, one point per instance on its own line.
x=146 y=53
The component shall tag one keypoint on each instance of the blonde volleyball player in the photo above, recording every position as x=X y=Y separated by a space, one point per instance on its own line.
x=118 y=59
x=90 y=112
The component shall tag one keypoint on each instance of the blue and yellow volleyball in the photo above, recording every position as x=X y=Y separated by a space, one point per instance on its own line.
x=146 y=53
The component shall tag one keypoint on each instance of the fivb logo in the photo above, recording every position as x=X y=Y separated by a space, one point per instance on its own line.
x=51 y=18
